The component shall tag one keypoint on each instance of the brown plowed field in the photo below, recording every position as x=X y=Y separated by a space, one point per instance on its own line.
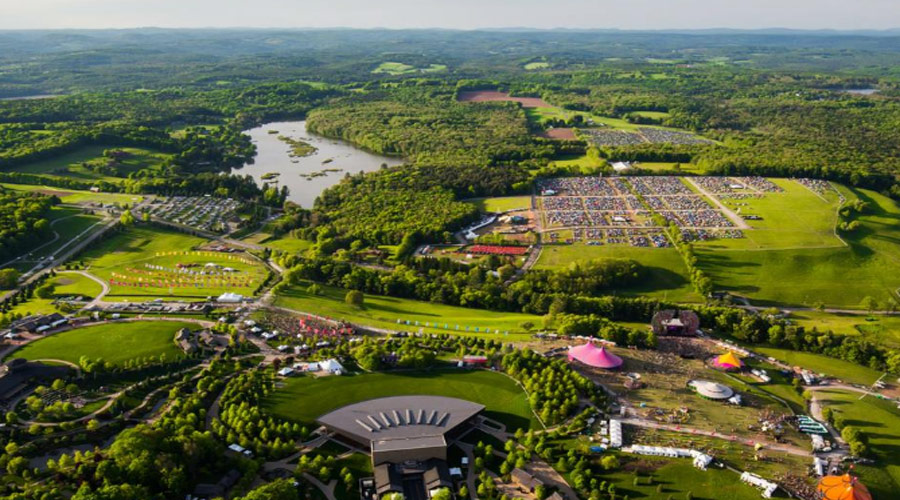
x=493 y=95
x=561 y=134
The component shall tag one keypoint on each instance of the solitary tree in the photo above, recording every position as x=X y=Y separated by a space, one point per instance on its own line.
x=355 y=298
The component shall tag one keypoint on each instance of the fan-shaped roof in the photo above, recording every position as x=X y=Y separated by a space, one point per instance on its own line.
x=592 y=355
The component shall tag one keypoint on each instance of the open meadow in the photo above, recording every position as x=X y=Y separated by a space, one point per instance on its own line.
x=501 y=204
x=834 y=274
x=88 y=163
x=77 y=197
x=880 y=421
x=383 y=312
x=303 y=399
x=144 y=262
x=115 y=342
x=667 y=275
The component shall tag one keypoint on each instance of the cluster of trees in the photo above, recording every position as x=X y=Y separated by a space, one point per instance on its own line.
x=153 y=461
x=241 y=421
x=409 y=353
x=385 y=206
x=853 y=436
x=422 y=121
x=702 y=283
x=23 y=222
x=553 y=387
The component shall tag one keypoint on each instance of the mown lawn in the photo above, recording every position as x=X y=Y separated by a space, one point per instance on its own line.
x=501 y=204
x=73 y=164
x=132 y=249
x=383 y=312
x=115 y=342
x=846 y=371
x=880 y=421
x=75 y=196
x=837 y=276
x=666 y=279
x=304 y=399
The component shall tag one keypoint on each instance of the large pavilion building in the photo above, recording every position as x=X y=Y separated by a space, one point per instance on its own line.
x=407 y=438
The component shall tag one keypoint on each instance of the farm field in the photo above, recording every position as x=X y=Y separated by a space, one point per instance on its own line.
x=396 y=68
x=383 y=312
x=72 y=164
x=580 y=162
x=303 y=399
x=880 y=421
x=76 y=197
x=127 y=257
x=668 y=278
x=837 y=276
x=501 y=204
x=115 y=343
x=535 y=65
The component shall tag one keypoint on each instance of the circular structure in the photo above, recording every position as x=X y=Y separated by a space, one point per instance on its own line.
x=400 y=428
x=711 y=390
x=598 y=357
x=728 y=361
x=844 y=487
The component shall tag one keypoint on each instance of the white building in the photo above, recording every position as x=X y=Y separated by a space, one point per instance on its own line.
x=767 y=487
x=230 y=298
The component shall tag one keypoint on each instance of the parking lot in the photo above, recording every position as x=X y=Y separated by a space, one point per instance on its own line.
x=217 y=215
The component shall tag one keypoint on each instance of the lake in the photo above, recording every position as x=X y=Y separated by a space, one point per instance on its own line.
x=272 y=155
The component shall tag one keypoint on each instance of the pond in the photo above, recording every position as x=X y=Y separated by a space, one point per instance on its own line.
x=305 y=176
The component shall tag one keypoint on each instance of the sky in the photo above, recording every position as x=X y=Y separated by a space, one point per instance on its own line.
x=458 y=14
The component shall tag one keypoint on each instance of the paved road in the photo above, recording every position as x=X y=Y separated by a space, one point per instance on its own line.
x=99 y=298
x=737 y=219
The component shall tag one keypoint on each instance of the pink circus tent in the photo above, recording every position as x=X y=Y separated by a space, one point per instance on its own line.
x=597 y=357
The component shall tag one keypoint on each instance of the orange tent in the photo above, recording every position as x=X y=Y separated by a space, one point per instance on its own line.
x=844 y=487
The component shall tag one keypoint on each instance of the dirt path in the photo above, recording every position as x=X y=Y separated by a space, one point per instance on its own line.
x=738 y=221
x=785 y=448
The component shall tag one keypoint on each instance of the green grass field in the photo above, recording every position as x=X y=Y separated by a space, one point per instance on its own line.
x=795 y=218
x=113 y=342
x=667 y=275
x=839 y=276
x=303 y=399
x=501 y=204
x=132 y=249
x=877 y=328
x=535 y=65
x=659 y=166
x=844 y=370
x=880 y=421
x=68 y=284
x=656 y=115
x=76 y=197
x=383 y=312
x=396 y=68
x=73 y=164
x=678 y=477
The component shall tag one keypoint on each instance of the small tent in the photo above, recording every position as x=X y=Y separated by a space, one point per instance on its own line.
x=728 y=361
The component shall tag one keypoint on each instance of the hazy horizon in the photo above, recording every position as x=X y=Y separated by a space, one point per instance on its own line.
x=460 y=14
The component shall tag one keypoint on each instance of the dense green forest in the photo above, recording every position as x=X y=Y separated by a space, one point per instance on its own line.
x=23 y=222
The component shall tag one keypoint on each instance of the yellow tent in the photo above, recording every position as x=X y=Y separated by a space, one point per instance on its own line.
x=729 y=360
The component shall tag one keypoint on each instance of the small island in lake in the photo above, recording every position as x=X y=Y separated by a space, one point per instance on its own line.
x=320 y=173
x=299 y=148
x=269 y=175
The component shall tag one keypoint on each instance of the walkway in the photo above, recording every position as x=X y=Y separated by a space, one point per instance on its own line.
x=737 y=219
x=99 y=298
